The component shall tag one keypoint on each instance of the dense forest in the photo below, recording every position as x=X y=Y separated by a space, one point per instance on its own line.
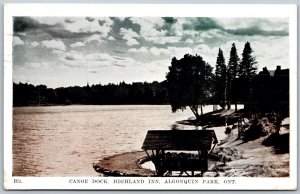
x=268 y=91
x=25 y=94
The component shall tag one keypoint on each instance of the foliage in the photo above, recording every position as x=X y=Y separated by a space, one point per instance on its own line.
x=122 y=93
x=233 y=63
x=189 y=83
x=247 y=68
x=255 y=131
x=228 y=130
x=220 y=77
x=232 y=72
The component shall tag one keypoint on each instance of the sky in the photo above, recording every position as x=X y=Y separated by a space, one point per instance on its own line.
x=69 y=51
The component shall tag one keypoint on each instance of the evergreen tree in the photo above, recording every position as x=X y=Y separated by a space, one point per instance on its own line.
x=232 y=72
x=247 y=68
x=220 y=74
x=247 y=71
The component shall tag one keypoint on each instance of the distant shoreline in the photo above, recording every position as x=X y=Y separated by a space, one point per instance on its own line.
x=42 y=105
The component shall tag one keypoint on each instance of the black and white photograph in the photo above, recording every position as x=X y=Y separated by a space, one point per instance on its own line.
x=194 y=101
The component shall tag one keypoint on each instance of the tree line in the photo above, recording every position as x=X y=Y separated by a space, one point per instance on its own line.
x=25 y=94
x=192 y=83
x=235 y=81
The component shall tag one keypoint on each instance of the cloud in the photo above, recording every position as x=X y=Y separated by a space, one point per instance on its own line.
x=169 y=25
x=34 y=44
x=65 y=34
x=17 y=41
x=50 y=26
x=54 y=44
x=90 y=19
x=159 y=51
x=129 y=35
x=94 y=60
x=111 y=38
x=94 y=37
x=118 y=51
x=76 y=59
x=168 y=52
x=78 y=24
x=169 y=20
x=267 y=24
x=55 y=51
x=149 y=26
x=154 y=39
x=77 y=44
x=69 y=20
x=201 y=23
x=255 y=30
x=23 y=24
x=189 y=41
x=119 y=58
x=234 y=26
x=164 y=39
x=271 y=52
x=36 y=65
x=62 y=27
x=118 y=65
x=99 y=57
x=131 y=42
x=139 y=50
x=73 y=56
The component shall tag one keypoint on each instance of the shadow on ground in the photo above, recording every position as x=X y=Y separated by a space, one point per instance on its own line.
x=280 y=142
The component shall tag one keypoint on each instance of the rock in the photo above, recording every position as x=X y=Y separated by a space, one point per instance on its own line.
x=211 y=174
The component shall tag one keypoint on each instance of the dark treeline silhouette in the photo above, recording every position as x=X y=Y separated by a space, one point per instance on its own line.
x=239 y=83
x=190 y=82
x=271 y=91
x=136 y=93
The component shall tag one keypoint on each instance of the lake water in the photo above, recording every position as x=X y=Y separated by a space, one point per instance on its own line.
x=67 y=140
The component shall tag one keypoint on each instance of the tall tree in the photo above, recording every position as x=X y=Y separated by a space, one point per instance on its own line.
x=247 y=68
x=247 y=71
x=220 y=77
x=190 y=83
x=232 y=72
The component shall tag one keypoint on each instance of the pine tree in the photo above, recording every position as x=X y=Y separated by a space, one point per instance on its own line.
x=247 y=71
x=232 y=72
x=220 y=74
x=247 y=68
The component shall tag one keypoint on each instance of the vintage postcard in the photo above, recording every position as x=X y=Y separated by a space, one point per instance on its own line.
x=150 y=97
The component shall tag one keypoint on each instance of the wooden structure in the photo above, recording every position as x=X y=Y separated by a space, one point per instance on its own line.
x=158 y=142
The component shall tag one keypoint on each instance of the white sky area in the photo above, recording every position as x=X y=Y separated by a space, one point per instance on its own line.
x=61 y=52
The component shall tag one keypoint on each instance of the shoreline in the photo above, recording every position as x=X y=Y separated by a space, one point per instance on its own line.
x=232 y=157
x=125 y=164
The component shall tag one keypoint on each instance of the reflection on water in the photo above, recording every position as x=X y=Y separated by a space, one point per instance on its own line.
x=66 y=140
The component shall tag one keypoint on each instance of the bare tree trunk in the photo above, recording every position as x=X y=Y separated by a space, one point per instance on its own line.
x=228 y=105
x=235 y=106
x=194 y=109
x=201 y=109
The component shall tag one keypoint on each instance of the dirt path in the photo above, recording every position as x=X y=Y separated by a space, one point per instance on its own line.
x=256 y=160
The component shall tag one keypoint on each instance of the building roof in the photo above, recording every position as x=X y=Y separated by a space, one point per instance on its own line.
x=179 y=140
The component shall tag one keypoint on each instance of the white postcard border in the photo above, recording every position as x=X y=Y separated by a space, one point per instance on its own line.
x=143 y=10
